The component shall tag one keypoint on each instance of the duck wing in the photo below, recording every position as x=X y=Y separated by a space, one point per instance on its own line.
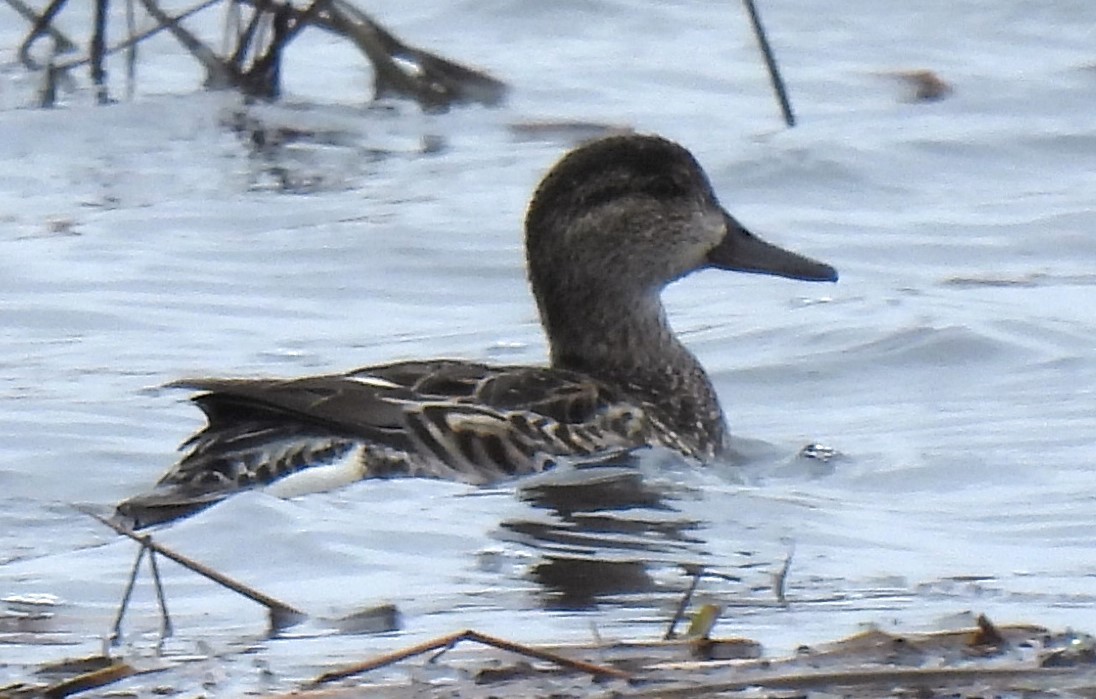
x=443 y=418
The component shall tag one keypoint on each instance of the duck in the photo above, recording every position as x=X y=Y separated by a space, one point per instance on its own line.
x=611 y=224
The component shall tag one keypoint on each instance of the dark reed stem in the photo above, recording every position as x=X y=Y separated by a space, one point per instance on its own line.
x=671 y=631
x=770 y=62
x=41 y=26
x=98 y=50
x=166 y=628
x=116 y=632
x=131 y=50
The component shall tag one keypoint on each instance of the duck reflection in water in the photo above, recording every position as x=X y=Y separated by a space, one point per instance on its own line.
x=602 y=532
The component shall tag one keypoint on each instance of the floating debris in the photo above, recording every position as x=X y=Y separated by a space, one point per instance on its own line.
x=869 y=664
x=819 y=452
x=923 y=85
x=985 y=659
x=382 y=618
x=29 y=615
x=39 y=605
x=1070 y=649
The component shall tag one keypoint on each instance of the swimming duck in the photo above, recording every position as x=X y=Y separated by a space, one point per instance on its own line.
x=611 y=224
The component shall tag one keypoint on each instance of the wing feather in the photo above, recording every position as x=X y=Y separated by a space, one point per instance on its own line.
x=441 y=418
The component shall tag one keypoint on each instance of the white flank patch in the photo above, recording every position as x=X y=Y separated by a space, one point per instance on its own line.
x=317 y=479
x=373 y=381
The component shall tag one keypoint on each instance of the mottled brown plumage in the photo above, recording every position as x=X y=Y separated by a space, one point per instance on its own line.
x=612 y=223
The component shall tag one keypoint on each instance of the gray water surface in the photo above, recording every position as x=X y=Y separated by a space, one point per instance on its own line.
x=953 y=367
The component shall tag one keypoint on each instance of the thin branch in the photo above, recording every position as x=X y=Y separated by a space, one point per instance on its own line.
x=116 y=632
x=262 y=77
x=683 y=604
x=437 y=83
x=61 y=42
x=98 y=46
x=42 y=25
x=218 y=72
x=780 y=578
x=131 y=51
x=137 y=38
x=117 y=670
x=281 y=613
x=165 y=618
x=245 y=38
x=446 y=642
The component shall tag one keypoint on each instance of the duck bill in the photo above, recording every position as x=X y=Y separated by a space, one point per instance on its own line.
x=742 y=251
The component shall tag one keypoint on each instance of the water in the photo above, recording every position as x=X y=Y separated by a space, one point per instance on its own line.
x=953 y=366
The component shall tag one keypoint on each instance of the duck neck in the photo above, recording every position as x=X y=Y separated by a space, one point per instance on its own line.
x=625 y=341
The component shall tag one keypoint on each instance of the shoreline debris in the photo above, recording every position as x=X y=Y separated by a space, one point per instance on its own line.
x=445 y=643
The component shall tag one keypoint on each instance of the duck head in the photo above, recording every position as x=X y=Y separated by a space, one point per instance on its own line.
x=616 y=220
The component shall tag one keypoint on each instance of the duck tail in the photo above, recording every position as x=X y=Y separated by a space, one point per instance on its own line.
x=162 y=504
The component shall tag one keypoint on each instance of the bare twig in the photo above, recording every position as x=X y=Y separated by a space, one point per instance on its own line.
x=281 y=614
x=116 y=631
x=218 y=72
x=264 y=77
x=62 y=43
x=47 y=96
x=437 y=82
x=780 y=578
x=246 y=37
x=98 y=46
x=131 y=50
x=305 y=18
x=137 y=38
x=165 y=618
x=679 y=613
x=42 y=24
x=446 y=642
x=114 y=672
